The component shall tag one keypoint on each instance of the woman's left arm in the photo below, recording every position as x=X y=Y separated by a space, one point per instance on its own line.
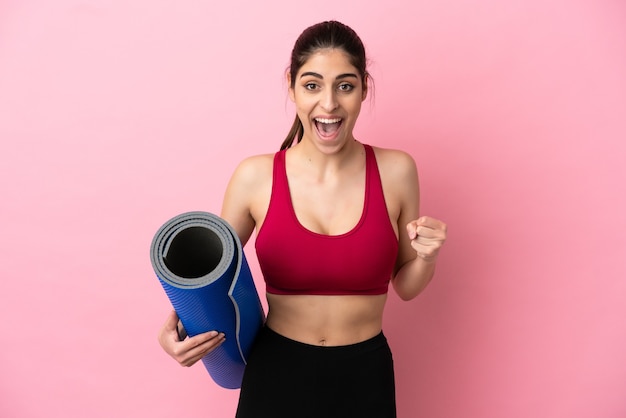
x=420 y=237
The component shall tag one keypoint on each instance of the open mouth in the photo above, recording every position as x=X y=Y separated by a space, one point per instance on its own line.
x=327 y=128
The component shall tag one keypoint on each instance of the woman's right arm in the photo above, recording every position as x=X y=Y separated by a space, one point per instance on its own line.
x=243 y=191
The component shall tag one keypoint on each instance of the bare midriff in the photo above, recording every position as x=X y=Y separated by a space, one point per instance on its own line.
x=326 y=320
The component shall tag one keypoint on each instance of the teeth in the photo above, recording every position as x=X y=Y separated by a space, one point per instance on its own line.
x=321 y=120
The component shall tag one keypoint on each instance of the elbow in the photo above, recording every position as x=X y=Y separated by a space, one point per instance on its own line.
x=406 y=296
x=404 y=293
x=409 y=290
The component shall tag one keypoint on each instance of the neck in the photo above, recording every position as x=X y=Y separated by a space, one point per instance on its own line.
x=337 y=157
x=323 y=165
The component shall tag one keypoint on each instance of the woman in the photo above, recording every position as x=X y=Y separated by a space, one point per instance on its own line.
x=336 y=222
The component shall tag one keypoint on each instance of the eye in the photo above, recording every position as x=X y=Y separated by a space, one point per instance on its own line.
x=310 y=86
x=345 y=87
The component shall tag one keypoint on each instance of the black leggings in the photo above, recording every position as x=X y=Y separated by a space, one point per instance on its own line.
x=290 y=379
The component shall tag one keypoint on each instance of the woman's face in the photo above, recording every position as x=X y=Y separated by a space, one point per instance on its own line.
x=328 y=92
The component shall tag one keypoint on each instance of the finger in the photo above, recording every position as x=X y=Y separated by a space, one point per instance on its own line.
x=427 y=252
x=423 y=243
x=432 y=223
x=411 y=229
x=202 y=338
x=436 y=240
x=206 y=348
x=195 y=348
x=429 y=233
x=172 y=321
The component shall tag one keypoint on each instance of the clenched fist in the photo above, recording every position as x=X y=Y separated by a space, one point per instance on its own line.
x=427 y=236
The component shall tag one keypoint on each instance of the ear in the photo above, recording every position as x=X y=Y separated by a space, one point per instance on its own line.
x=291 y=91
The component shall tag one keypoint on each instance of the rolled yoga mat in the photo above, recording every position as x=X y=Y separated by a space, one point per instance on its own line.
x=199 y=260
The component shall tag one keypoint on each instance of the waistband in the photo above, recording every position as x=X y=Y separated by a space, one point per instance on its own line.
x=376 y=342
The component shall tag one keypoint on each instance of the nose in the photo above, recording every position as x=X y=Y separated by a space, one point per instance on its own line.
x=328 y=100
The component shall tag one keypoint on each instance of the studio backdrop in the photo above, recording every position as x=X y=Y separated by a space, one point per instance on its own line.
x=116 y=116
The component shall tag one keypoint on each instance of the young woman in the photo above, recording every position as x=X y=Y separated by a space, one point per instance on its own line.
x=336 y=222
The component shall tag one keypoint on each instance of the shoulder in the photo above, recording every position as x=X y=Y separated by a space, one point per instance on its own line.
x=251 y=178
x=394 y=164
x=248 y=190
x=400 y=183
x=399 y=178
x=254 y=170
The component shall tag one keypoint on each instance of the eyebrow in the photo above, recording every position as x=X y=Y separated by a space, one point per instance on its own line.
x=339 y=77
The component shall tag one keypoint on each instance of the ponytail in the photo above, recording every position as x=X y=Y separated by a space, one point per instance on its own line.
x=296 y=132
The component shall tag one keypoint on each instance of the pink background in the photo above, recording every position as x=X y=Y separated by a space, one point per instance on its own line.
x=115 y=116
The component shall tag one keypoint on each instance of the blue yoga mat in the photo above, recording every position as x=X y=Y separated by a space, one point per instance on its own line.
x=199 y=260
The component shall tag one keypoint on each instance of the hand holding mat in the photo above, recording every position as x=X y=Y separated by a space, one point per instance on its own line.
x=199 y=260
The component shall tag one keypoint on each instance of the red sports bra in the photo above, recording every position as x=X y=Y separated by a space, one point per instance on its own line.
x=297 y=261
